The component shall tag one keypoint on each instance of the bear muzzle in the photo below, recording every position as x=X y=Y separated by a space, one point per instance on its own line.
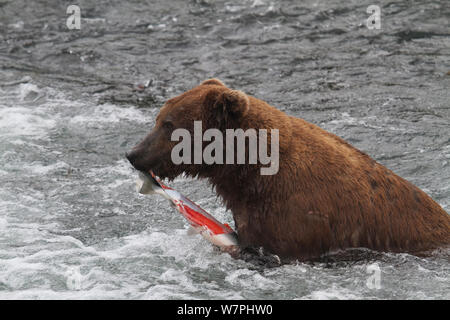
x=135 y=157
x=144 y=161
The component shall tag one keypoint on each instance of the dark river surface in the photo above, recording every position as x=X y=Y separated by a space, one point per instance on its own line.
x=73 y=101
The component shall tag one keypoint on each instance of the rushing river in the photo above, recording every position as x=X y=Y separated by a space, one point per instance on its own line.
x=73 y=101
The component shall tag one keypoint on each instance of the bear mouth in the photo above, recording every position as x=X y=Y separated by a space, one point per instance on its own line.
x=159 y=170
x=154 y=174
x=149 y=172
x=151 y=176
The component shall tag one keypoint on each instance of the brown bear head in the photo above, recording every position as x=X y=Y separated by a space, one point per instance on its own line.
x=212 y=103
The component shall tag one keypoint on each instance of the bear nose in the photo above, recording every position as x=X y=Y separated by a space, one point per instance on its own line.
x=131 y=156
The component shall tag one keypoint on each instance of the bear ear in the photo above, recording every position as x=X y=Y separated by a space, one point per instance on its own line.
x=227 y=106
x=235 y=103
x=213 y=81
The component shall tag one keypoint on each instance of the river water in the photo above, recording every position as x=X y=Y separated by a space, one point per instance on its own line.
x=72 y=102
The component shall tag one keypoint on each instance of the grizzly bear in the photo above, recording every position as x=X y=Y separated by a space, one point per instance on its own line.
x=327 y=195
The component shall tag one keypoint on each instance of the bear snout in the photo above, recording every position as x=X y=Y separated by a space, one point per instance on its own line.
x=130 y=156
x=135 y=158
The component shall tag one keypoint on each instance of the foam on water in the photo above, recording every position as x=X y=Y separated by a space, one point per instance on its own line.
x=107 y=113
x=18 y=122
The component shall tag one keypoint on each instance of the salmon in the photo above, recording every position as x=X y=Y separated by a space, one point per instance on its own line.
x=221 y=235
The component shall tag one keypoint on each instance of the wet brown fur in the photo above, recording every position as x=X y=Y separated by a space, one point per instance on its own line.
x=327 y=195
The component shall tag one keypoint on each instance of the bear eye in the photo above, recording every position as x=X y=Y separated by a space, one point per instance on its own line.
x=168 y=125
